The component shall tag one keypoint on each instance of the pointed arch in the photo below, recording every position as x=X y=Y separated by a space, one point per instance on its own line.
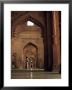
x=35 y=21
x=30 y=43
x=28 y=18
x=30 y=51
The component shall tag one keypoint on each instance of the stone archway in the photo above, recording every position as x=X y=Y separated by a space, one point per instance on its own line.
x=30 y=53
x=24 y=34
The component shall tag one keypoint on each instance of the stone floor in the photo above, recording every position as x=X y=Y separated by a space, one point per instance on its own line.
x=34 y=74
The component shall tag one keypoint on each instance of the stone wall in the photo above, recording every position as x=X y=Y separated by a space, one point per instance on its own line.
x=44 y=35
x=21 y=39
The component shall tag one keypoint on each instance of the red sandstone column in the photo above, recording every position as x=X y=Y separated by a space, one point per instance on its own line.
x=56 y=41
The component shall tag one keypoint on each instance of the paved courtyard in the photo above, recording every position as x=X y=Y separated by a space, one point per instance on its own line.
x=27 y=74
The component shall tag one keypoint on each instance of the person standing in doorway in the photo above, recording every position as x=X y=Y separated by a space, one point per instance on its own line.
x=27 y=61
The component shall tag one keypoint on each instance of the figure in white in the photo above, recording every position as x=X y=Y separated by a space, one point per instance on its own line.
x=27 y=62
x=31 y=65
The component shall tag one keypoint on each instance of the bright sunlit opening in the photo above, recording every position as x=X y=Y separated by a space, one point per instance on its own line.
x=29 y=23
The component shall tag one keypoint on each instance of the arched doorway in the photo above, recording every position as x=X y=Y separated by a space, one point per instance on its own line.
x=30 y=52
x=25 y=33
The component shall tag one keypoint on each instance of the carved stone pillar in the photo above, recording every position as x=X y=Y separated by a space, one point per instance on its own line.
x=48 y=51
x=56 y=41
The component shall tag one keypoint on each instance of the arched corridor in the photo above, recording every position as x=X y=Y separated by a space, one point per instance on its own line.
x=35 y=40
